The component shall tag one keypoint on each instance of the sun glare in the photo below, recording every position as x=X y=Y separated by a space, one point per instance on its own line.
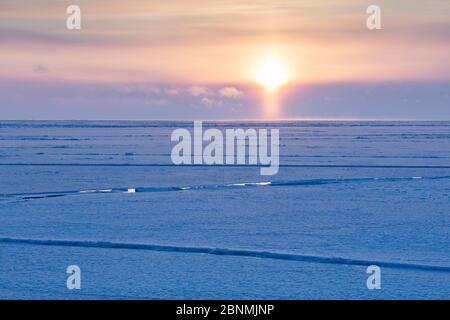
x=271 y=74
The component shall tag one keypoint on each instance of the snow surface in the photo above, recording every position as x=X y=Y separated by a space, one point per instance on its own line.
x=105 y=196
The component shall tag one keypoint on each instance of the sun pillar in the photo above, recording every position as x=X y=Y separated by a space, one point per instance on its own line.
x=271 y=107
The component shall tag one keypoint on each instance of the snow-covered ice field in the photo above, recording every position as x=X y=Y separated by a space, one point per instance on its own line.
x=348 y=195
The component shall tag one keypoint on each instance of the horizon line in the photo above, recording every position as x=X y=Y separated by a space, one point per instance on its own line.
x=244 y=119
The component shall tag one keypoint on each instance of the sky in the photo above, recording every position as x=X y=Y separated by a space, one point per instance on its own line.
x=202 y=59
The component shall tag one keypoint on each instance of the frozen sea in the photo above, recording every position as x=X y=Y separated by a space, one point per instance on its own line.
x=348 y=195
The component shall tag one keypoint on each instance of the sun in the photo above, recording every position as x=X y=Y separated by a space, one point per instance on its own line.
x=272 y=74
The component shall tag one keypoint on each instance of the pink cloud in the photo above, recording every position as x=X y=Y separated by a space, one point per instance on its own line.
x=198 y=91
x=231 y=92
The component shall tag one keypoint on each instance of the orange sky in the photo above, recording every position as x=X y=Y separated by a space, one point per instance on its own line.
x=214 y=59
x=208 y=41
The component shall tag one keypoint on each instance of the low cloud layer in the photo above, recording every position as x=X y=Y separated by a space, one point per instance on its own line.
x=70 y=100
